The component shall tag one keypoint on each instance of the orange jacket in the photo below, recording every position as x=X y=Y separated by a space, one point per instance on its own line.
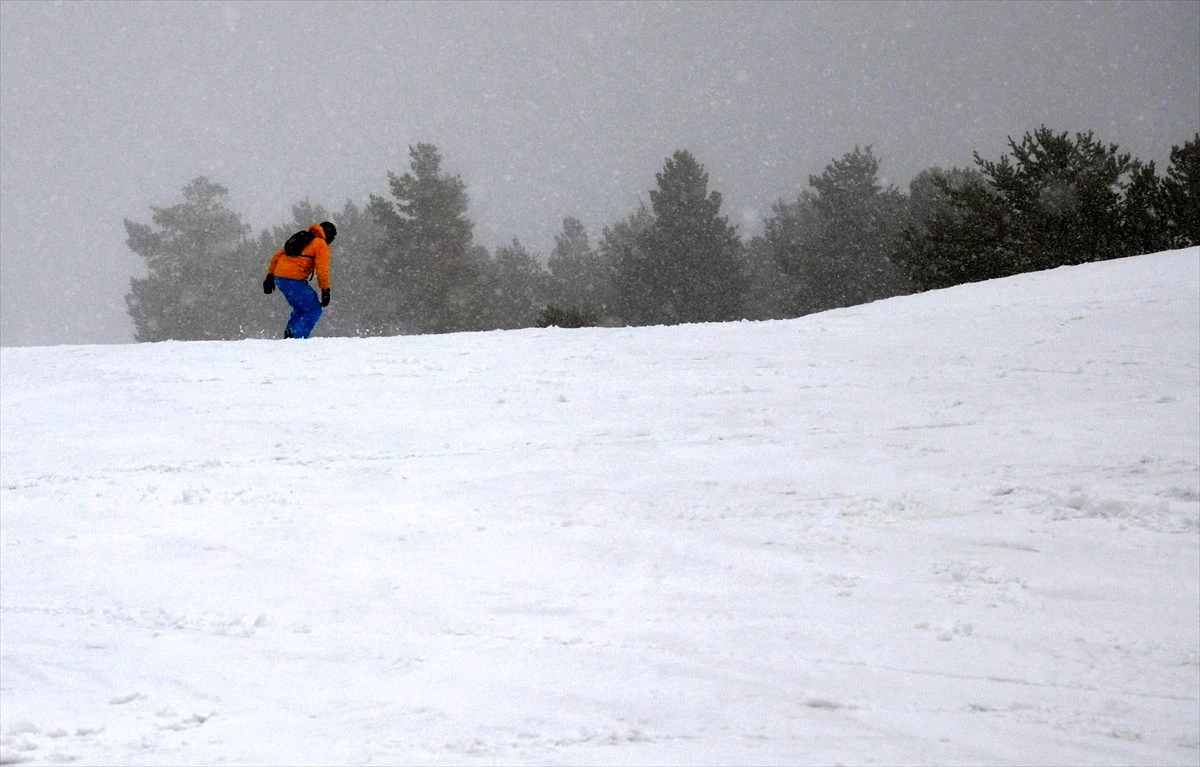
x=315 y=256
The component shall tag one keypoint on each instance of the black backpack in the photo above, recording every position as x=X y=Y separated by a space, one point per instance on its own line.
x=296 y=244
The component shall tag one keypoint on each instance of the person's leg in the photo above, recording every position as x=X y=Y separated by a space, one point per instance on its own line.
x=306 y=308
x=303 y=327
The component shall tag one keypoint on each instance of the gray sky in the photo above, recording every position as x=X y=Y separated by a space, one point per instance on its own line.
x=546 y=110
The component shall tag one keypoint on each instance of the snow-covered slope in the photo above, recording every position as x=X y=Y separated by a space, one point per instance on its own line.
x=955 y=528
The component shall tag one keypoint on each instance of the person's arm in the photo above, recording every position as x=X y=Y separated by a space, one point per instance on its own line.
x=274 y=262
x=269 y=282
x=322 y=263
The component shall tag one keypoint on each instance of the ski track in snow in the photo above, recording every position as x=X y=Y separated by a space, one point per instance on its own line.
x=955 y=528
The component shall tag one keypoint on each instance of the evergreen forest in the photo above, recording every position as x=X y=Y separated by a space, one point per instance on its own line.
x=407 y=262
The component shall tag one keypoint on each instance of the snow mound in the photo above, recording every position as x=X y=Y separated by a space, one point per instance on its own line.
x=961 y=527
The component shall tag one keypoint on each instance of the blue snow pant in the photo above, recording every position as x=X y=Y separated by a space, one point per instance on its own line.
x=306 y=309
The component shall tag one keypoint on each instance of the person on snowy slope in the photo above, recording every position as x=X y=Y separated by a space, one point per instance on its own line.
x=292 y=273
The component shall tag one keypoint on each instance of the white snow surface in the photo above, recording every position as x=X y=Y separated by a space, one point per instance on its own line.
x=959 y=528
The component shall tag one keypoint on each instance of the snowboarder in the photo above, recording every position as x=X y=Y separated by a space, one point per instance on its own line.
x=291 y=274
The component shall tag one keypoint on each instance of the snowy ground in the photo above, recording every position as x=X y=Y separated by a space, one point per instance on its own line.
x=955 y=528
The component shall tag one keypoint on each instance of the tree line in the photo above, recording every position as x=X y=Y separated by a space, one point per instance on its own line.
x=407 y=263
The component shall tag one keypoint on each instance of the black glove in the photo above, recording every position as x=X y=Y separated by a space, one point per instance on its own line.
x=269 y=284
x=325 y=297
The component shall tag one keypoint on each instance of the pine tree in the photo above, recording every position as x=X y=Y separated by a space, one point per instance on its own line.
x=1142 y=227
x=519 y=287
x=202 y=270
x=427 y=270
x=788 y=239
x=836 y=239
x=956 y=231
x=1181 y=195
x=1063 y=198
x=580 y=278
x=688 y=260
x=1056 y=200
x=771 y=293
x=620 y=248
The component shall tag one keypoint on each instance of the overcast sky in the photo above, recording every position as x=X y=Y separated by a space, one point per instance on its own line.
x=545 y=110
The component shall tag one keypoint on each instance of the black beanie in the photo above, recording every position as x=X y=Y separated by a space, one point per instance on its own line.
x=329 y=229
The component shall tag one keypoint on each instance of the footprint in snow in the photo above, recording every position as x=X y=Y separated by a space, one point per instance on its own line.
x=121 y=700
